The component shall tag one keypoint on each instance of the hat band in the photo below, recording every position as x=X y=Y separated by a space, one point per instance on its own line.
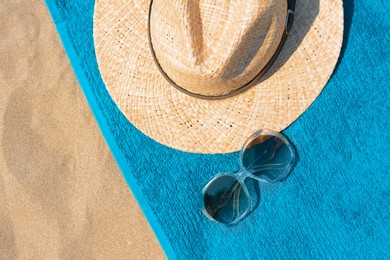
x=289 y=22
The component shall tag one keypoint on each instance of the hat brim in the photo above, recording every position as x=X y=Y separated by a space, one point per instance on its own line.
x=190 y=124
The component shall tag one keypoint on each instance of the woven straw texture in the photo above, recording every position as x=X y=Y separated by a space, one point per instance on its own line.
x=213 y=49
x=214 y=126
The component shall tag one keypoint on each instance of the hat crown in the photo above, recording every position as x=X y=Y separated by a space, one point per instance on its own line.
x=215 y=47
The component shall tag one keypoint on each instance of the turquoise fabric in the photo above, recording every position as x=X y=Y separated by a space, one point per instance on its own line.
x=336 y=202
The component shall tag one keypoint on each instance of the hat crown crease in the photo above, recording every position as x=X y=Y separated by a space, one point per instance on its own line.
x=192 y=29
x=217 y=46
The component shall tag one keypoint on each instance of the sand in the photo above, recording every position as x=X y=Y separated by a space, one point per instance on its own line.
x=62 y=195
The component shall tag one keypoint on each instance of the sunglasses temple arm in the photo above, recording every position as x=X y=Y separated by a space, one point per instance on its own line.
x=236 y=198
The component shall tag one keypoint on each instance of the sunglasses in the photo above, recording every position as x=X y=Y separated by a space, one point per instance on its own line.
x=267 y=156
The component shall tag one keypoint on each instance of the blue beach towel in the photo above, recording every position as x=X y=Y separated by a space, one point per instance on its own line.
x=336 y=202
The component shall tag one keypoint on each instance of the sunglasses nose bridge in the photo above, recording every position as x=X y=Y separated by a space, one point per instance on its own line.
x=242 y=175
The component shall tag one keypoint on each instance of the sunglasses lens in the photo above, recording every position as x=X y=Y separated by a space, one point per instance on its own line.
x=225 y=200
x=268 y=156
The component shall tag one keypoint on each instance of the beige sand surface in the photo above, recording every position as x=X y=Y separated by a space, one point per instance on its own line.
x=62 y=195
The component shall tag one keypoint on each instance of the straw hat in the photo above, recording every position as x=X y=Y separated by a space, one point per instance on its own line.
x=203 y=75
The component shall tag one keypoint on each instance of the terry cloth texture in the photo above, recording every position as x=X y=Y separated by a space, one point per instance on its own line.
x=336 y=202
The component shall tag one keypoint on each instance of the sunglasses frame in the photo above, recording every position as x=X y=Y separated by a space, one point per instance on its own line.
x=243 y=173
